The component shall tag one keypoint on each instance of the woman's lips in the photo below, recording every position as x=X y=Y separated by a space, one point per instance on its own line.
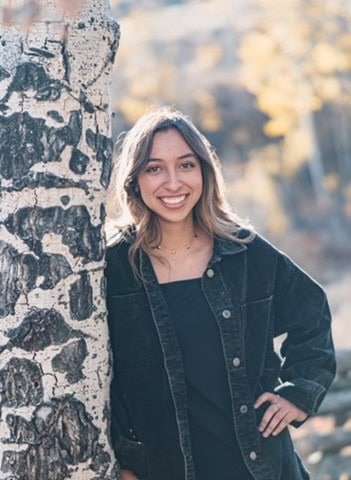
x=173 y=201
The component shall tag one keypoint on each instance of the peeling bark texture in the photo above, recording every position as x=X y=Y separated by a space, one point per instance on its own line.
x=21 y=273
x=59 y=436
x=40 y=329
x=81 y=298
x=74 y=225
x=55 y=164
x=70 y=360
x=102 y=146
x=20 y=383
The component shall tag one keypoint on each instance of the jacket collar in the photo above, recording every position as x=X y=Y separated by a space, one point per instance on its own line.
x=222 y=246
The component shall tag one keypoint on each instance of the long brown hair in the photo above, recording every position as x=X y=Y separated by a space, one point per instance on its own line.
x=212 y=213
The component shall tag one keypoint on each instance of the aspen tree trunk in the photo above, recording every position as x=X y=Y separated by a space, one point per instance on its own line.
x=55 y=163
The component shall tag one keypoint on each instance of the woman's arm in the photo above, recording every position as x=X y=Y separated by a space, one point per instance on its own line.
x=308 y=357
x=130 y=453
x=302 y=313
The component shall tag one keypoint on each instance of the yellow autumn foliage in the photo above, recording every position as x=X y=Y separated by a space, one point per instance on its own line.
x=296 y=151
x=328 y=88
x=292 y=66
x=281 y=125
x=257 y=189
x=132 y=108
x=328 y=59
x=209 y=114
x=275 y=102
x=257 y=47
x=209 y=56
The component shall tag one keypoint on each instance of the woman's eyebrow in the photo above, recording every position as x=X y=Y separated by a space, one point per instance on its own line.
x=187 y=155
x=181 y=157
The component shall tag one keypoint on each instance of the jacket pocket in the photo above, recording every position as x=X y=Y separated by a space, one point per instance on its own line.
x=257 y=335
x=132 y=456
x=134 y=338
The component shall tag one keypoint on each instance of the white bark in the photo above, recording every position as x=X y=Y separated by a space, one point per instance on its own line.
x=55 y=161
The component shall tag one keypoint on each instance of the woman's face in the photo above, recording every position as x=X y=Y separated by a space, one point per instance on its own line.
x=171 y=182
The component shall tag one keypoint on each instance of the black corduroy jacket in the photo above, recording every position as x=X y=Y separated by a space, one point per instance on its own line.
x=256 y=293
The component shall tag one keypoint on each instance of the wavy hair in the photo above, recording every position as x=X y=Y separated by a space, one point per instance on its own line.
x=212 y=213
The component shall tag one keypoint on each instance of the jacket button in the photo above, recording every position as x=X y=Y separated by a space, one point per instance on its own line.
x=226 y=314
x=253 y=456
x=131 y=431
x=236 y=362
x=243 y=409
x=210 y=273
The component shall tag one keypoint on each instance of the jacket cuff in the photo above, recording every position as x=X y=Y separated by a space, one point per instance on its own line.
x=132 y=456
x=305 y=394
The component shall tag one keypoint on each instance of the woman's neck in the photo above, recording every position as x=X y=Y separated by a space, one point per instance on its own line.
x=186 y=254
x=177 y=236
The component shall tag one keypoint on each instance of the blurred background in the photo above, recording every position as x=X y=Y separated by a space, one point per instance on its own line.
x=269 y=83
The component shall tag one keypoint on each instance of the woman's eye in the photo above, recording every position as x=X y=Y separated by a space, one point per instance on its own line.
x=188 y=165
x=153 y=169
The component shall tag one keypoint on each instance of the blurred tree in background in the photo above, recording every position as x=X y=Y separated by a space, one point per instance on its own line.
x=269 y=84
x=299 y=71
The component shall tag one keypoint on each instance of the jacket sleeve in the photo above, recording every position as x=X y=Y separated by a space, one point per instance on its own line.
x=308 y=357
x=130 y=453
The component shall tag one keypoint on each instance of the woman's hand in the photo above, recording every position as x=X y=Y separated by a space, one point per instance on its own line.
x=128 y=475
x=279 y=415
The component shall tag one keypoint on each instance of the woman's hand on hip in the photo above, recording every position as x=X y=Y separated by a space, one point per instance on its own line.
x=128 y=475
x=278 y=415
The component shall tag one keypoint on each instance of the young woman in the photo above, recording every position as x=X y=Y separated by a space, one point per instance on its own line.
x=195 y=300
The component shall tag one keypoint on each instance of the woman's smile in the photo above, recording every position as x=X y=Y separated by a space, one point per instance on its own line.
x=174 y=201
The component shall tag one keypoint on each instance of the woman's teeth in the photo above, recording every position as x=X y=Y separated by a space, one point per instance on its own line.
x=173 y=200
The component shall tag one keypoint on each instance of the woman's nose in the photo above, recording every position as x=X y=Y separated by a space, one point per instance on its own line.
x=173 y=181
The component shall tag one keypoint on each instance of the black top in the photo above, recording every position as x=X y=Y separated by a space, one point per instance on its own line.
x=216 y=451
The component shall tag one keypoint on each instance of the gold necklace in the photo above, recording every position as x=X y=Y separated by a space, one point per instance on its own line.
x=173 y=251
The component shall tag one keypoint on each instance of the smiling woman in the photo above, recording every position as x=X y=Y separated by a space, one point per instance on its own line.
x=171 y=181
x=195 y=299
